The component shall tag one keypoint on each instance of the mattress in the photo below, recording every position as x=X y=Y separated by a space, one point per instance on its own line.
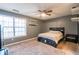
x=52 y=35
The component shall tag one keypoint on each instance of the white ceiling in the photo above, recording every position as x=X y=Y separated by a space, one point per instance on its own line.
x=31 y=9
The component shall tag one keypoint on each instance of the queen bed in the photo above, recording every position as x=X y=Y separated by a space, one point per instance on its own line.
x=53 y=37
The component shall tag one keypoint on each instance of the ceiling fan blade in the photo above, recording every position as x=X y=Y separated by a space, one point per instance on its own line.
x=44 y=11
x=48 y=14
x=40 y=11
x=49 y=10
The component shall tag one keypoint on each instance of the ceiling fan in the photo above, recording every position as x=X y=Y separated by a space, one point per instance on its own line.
x=47 y=12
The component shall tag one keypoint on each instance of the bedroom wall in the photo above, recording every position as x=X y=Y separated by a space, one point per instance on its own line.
x=32 y=31
x=70 y=27
x=78 y=28
x=42 y=26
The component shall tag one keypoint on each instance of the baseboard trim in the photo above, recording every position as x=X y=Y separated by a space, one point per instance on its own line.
x=19 y=42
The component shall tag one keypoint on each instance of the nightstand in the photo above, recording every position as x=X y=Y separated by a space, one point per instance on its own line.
x=71 y=38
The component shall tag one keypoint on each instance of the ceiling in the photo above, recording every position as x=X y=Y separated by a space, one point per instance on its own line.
x=31 y=9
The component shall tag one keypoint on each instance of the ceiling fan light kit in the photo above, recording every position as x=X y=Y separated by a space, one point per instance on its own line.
x=45 y=12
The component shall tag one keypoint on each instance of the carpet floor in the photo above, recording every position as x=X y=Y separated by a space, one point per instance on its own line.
x=33 y=47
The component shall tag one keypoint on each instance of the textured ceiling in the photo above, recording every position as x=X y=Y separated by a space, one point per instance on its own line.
x=31 y=9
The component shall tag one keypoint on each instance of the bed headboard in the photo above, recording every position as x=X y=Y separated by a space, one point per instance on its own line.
x=61 y=29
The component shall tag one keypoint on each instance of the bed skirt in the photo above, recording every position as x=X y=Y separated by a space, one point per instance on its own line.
x=47 y=41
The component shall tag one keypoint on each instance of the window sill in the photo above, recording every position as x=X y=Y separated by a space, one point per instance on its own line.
x=15 y=37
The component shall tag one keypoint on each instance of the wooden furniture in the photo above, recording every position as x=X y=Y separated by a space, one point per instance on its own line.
x=71 y=38
x=61 y=29
x=49 y=41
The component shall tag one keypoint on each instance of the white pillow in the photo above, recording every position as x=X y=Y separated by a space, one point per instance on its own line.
x=56 y=32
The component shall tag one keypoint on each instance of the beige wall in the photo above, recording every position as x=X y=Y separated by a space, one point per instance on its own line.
x=42 y=26
x=70 y=27
x=31 y=31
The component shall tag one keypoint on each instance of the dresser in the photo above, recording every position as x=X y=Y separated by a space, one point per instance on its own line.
x=71 y=38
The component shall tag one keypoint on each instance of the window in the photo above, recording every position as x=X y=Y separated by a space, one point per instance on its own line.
x=12 y=26
x=7 y=27
x=20 y=27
